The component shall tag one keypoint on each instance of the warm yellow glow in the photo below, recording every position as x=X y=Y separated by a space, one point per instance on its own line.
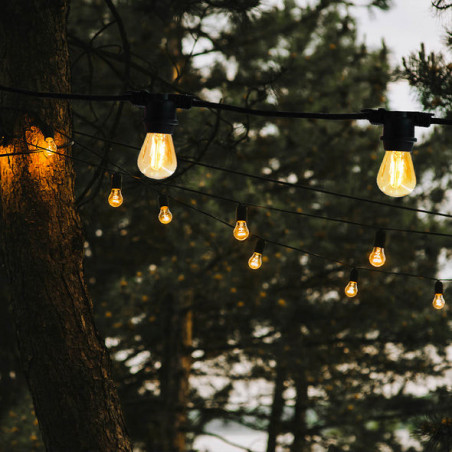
x=351 y=289
x=49 y=146
x=396 y=176
x=165 y=215
x=115 y=199
x=157 y=158
x=438 y=301
x=255 y=261
x=241 y=231
x=377 y=257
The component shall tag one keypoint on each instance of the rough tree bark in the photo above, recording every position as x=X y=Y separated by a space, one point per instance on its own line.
x=175 y=371
x=299 y=428
x=64 y=359
x=274 y=424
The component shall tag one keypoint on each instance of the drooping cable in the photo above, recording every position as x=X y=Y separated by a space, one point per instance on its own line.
x=287 y=184
x=266 y=239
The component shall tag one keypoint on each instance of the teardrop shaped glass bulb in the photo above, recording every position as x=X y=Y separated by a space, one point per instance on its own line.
x=396 y=176
x=157 y=158
x=351 y=289
x=165 y=215
x=115 y=199
x=377 y=257
x=438 y=301
x=241 y=231
x=255 y=261
x=50 y=147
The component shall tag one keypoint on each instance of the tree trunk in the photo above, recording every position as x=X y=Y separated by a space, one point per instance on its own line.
x=175 y=372
x=299 y=419
x=64 y=359
x=274 y=425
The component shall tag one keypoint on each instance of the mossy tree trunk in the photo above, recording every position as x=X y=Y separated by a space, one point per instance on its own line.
x=64 y=359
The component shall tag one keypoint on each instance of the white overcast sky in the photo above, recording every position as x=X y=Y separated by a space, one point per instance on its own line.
x=404 y=27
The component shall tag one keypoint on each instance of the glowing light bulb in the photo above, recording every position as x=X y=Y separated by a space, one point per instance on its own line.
x=438 y=299
x=255 y=261
x=165 y=215
x=241 y=231
x=352 y=287
x=396 y=176
x=157 y=158
x=115 y=198
x=50 y=147
x=377 y=257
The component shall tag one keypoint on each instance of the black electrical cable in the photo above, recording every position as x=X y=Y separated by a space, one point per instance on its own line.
x=316 y=189
x=69 y=96
x=188 y=101
x=441 y=121
x=274 y=242
x=10 y=154
x=304 y=214
x=310 y=253
x=279 y=182
x=279 y=114
x=234 y=201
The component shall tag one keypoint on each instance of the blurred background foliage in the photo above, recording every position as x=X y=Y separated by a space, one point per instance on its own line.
x=195 y=335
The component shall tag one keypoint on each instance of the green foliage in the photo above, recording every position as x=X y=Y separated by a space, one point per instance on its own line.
x=344 y=366
x=436 y=431
x=289 y=319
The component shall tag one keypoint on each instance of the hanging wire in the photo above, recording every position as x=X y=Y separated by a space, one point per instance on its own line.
x=223 y=198
x=213 y=217
x=266 y=239
x=187 y=101
x=282 y=183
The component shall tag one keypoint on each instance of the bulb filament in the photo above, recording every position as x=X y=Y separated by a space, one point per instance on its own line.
x=438 y=301
x=377 y=257
x=241 y=231
x=157 y=158
x=351 y=289
x=255 y=261
x=165 y=215
x=115 y=199
x=50 y=147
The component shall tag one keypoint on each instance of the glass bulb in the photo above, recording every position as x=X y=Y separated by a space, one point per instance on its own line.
x=157 y=158
x=241 y=231
x=48 y=146
x=115 y=199
x=396 y=176
x=255 y=261
x=377 y=257
x=351 y=289
x=165 y=215
x=438 y=301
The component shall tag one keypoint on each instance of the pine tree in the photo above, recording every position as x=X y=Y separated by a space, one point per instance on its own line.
x=280 y=350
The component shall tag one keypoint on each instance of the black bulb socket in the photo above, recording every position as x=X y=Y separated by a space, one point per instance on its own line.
x=163 y=201
x=398 y=131
x=116 y=181
x=354 y=275
x=438 y=287
x=160 y=115
x=380 y=239
x=241 y=213
x=260 y=246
